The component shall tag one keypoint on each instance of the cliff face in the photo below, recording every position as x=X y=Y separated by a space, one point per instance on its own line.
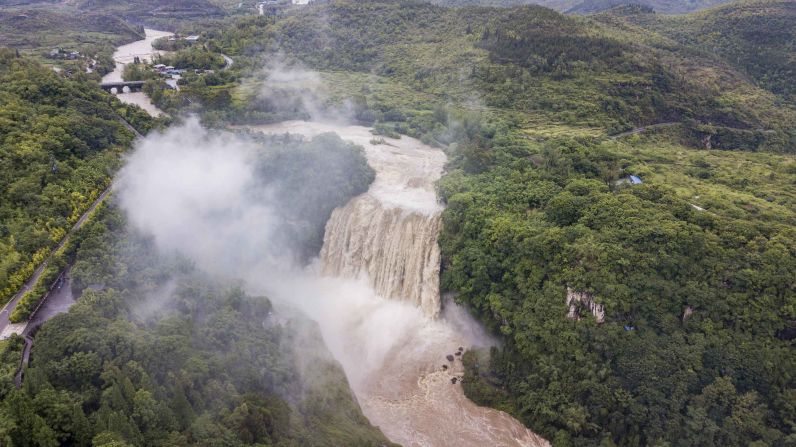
x=577 y=301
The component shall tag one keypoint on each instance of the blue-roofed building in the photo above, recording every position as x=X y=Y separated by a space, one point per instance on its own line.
x=629 y=180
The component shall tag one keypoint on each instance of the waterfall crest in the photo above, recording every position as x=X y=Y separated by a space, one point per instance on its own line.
x=395 y=249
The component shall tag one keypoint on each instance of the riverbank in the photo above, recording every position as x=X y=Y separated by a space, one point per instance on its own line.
x=126 y=54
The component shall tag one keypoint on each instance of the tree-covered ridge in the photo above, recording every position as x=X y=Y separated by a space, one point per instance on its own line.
x=758 y=37
x=154 y=11
x=538 y=65
x=60 y=142
x=158 y=355
x=32 y=31
x=592 y=6
x=696 y=344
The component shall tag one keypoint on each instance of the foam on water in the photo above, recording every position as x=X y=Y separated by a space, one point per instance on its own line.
x=375 y=294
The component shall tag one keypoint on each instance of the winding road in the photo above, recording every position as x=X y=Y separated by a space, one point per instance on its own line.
x=59 y=298
x=6 y=327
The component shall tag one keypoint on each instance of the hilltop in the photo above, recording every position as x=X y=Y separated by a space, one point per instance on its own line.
x=757 y=38
x=593 y=6
x=541 y=66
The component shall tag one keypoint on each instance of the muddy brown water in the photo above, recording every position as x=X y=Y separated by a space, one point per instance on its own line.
x=375 y=295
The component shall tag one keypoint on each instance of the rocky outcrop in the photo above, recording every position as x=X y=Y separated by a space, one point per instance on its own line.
x=577 y=301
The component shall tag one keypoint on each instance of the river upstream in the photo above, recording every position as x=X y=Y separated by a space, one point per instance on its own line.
x=375 y=294
x=126 y=54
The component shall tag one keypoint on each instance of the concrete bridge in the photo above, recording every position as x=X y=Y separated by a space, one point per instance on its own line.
x=122 y=86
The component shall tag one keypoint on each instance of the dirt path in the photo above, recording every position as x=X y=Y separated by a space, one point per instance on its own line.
x=638 y=130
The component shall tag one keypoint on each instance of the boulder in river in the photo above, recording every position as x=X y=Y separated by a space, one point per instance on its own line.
x=449 y=357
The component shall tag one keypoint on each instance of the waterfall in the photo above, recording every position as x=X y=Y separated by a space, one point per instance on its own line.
x=389 y=331
x=387 y=235
x=395 y=249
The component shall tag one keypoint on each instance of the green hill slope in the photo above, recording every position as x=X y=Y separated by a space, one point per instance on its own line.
x=592 y=6
x=756 y=37
x=60 y=141
x=539 y=65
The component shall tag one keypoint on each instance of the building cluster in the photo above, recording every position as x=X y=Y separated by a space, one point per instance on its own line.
x=189 y=39
x=60 y=53
x=168 y=70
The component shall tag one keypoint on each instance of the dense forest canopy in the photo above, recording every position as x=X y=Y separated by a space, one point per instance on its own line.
x=156 y=353
x=160 y=355
x=757 y=37
x=60 y=142
x=592 y=6
x=539 y=65
x=697 y=303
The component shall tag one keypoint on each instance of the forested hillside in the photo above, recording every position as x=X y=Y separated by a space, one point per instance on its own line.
x=156 y=352
x=541 y=67
x=60 y=142
x=692 y=339
x=758 y=37
x=154 y=11
x=158 y=355
x=592 y=6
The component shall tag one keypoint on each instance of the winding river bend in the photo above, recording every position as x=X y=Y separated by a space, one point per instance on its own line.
x=375 y=294
x=126 y=54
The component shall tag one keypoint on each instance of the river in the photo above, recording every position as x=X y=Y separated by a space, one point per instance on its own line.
x=126 y=54
x=375 y=295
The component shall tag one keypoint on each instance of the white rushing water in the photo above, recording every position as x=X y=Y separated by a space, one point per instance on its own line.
x=126 y=54
x=375 y=295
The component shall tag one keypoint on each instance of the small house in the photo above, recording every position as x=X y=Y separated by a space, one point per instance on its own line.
x=629 y=180
x=192 y=39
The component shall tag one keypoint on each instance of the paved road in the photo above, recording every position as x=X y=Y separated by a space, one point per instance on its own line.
x=5 y=325
x=58 y=301
x=25 y=359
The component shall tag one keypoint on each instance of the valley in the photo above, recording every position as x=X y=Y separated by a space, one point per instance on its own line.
x=399 y=223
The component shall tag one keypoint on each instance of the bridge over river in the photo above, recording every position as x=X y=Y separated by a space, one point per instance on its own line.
x=122 y=86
